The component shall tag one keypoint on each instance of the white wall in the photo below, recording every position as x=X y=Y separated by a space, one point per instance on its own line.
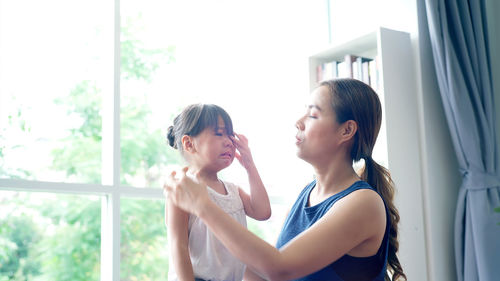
x=440 y=174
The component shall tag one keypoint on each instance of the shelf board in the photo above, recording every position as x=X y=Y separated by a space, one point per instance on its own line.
x=365 y=46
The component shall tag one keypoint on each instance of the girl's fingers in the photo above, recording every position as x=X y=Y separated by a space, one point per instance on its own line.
x=243 y=138
x=238 y=156
x=235 y=141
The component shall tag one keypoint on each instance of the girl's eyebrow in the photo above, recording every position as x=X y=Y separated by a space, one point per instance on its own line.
x=217 y=129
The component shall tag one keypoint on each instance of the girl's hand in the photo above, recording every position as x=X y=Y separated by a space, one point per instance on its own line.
x=186 y=192
x=243 y=153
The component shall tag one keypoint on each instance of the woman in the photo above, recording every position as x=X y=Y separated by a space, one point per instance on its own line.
x=342 y=226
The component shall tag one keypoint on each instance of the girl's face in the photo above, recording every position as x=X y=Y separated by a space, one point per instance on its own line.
x=214 y=149
x=317 y=128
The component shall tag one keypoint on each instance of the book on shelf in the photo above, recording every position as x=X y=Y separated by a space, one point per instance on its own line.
x=349 y=59
x=374 y=73
x=319 y=72
x=326 y=70
x=359 y=70
x=342 y=70
x=353 y=66
x=365 y=66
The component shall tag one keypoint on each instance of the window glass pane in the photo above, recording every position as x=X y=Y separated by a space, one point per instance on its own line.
x=49 y=237
x=56 y=65
x=144 y=254
x=147 y=53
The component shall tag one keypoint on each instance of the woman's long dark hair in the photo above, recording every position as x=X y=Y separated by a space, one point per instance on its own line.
x=354 y=100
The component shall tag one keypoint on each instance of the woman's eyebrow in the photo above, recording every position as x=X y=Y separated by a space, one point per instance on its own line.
x=314 y=106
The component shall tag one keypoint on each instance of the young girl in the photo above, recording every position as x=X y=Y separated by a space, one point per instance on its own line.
x=203 y=133
x=343 y=226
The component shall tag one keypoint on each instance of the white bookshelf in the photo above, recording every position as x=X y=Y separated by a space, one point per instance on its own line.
x=398 y=144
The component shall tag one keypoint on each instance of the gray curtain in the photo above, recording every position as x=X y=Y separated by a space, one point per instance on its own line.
x=459 y=40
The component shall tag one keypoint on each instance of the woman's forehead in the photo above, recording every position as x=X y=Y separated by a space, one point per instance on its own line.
x=320 y=98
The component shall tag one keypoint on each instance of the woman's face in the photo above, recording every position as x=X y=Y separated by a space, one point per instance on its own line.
x=317 y=128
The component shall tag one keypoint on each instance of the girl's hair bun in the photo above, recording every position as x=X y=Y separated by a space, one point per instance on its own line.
x=171 y=137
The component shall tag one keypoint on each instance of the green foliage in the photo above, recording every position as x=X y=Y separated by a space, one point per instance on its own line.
x=144 y=150
x=17 y=125
x=17 y=235
x=144 y=240
x=137 y=61
x=72 y=251
x=79 y=154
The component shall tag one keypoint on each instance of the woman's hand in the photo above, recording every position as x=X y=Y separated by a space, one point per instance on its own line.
x=186 y=192
x=243 y=153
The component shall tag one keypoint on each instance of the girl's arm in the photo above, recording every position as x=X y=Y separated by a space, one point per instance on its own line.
x=177 y=225
x=353 y=220
x=256 y=204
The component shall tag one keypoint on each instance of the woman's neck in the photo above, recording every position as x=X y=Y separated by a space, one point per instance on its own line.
x=334 y=177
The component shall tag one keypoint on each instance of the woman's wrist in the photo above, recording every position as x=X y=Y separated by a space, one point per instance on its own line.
x=204 y=207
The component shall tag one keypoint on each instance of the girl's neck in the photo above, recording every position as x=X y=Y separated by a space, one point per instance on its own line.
x=203 y=174
x=209 y=178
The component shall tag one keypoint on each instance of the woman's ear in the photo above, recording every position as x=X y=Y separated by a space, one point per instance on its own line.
x=349 y=129
x=188 y=144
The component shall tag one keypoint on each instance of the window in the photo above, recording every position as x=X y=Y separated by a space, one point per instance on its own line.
x=85 y=101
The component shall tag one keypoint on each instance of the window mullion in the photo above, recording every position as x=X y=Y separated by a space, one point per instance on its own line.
x=110 y=222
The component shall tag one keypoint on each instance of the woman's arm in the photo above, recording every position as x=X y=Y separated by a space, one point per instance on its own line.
x=177 y=225
x=353 y=220
x=256 y=204
x=251 y=275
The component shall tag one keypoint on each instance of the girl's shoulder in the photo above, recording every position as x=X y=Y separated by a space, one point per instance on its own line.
x=230 y=187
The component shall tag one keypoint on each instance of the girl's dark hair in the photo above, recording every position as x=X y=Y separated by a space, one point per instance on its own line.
x=354 y=100
x=194 y=119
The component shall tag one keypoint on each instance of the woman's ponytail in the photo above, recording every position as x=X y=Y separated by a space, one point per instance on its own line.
x=380 y=178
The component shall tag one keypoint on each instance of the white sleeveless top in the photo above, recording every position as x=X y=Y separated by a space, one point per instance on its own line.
x=210 y=259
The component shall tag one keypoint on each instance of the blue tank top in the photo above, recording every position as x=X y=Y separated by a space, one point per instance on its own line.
x=301 y=217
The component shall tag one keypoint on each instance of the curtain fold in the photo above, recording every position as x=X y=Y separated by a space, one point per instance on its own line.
x=459 y=40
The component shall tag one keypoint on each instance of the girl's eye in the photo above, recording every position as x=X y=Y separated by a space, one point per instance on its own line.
x=313 y=117
x=218 y=134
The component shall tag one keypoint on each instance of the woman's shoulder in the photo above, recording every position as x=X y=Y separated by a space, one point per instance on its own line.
x=363 y=189
x=366 y=201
